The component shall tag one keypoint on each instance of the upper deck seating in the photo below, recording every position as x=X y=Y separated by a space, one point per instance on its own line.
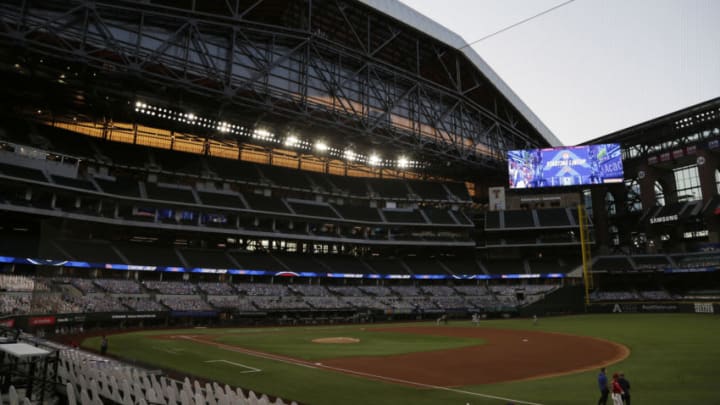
x=93 y=251
x=256 y=261
x=23 y=172
x=459 y=190
x=428 y=190
x=231 y=200
x=312 y=209
x=359 y=213
x=123 y=185
x=518 y=219
x=504 y=266
x=389 y=188
x=286 y=177
x=553 y=217
x=439 y=216
x=145 y=254
x=612 y=263
x=261 y=203
x=73 y=182
x=156 y=192
x=403 y=216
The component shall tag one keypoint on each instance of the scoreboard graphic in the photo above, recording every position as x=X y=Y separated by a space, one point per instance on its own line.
x=565 y=166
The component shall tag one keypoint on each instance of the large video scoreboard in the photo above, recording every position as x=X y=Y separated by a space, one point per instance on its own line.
x=565 y=166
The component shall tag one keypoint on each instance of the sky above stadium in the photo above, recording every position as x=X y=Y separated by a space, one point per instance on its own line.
x=592 y=67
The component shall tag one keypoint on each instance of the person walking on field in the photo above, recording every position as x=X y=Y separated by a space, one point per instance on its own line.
x=603 y=386
x=103 y=345
x=625 y=384
x=617 y=390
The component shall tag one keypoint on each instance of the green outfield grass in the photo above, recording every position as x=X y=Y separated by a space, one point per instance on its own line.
x=675 y=359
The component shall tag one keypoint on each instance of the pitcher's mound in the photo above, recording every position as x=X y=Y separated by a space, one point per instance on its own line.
x=341 y=340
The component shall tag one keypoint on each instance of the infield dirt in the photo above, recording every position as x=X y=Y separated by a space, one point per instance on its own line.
x=507 y=355
x=504 y=357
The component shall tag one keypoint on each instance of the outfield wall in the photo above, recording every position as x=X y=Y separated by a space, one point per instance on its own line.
x=656 y=307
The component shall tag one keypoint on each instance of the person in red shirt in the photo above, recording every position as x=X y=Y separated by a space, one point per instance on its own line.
x=617 y=390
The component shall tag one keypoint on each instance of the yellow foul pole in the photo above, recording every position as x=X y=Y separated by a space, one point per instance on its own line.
x=585 y=249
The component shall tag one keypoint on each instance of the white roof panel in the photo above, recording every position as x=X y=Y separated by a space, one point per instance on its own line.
x=413 y=18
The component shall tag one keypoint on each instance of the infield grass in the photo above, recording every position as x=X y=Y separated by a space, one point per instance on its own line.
x=675 y=359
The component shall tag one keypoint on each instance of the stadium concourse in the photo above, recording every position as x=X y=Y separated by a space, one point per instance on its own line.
x=269 y=162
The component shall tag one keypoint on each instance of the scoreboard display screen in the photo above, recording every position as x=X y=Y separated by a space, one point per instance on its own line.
x=565 y=166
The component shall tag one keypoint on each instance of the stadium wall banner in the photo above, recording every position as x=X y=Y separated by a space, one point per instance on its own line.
x=691 y=270
x=130 y=315
x=653 y=307
x=70 y=318
x=243 y=272
x=9 y=323
x=66 y=319
x=704 y=308
x=193 y=314
x=41 y=320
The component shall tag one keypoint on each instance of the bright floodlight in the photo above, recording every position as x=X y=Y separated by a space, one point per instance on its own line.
x=138 y=104
x=402 y=162
x=190 y=116
x=350 y=155
x=291 y=140
x=321 y=146
x=374 y=160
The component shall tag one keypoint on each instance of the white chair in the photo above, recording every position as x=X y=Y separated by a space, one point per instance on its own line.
x=137 y=391
x=94 y=389
x=85 y=398
x=70 y=389
x=243 y=399
x=153 y=380
x=106 y=391
x=217 y=388
x=187 y=385
x=252 y=398
x=13 y=396
x=230 y=395
x=145 y=383
x=116 y=394
x=240 y=393
x=125 y=385
x=185 y=398
x=172 y=396
x=199 y=398
x=152 y=397
x=127 y=395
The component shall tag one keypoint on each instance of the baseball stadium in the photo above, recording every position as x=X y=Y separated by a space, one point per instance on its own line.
x=332 y=202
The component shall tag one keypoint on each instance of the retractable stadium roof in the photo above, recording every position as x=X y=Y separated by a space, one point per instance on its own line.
x=413 y=18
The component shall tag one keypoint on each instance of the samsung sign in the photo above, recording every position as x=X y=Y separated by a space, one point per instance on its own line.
x=666 y=218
